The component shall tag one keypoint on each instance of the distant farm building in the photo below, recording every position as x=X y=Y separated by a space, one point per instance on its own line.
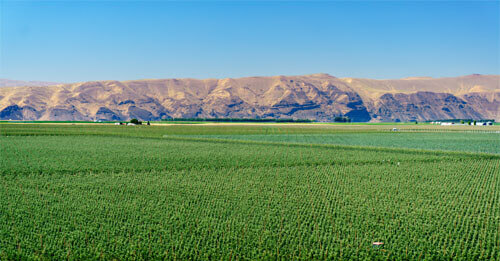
x=483 y=122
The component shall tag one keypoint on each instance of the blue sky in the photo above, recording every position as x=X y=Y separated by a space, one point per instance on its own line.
x=94 y=40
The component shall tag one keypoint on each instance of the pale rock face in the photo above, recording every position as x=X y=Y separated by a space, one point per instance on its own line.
x=318 y=96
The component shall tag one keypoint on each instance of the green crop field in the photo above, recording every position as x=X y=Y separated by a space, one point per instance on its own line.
x=456 y=141
x=247 y=192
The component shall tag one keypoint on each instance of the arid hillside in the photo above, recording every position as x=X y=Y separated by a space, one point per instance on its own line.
x=316 y=96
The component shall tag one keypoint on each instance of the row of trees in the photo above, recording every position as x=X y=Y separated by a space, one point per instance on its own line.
x=138 y=122
x=237 y=120
x=342 y=119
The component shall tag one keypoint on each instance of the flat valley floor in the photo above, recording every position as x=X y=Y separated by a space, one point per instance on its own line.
x=249 y=191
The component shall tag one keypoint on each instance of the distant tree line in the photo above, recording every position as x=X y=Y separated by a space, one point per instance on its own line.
x=237 y=120
x=138 y=122
x=342 y=119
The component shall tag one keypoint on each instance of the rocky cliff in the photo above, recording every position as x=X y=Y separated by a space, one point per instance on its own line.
x=317 y=96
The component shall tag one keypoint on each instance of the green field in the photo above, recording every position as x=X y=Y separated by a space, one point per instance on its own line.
x=455 y=141
x=248 y=192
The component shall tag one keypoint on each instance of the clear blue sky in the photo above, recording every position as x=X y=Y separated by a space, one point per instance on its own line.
x=77 y=41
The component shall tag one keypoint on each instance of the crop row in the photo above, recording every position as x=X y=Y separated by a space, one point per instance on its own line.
x=93 y=197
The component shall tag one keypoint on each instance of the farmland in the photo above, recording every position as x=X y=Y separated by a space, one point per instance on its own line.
x=248 y=192
x=454 y=141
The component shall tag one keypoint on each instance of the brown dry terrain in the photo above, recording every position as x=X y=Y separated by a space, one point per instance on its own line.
x=316 y=96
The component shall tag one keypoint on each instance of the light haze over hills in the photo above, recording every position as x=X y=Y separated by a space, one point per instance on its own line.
x=317 y=96
x=11 y=83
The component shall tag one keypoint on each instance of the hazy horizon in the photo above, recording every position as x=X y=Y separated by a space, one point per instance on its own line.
x=249 y=76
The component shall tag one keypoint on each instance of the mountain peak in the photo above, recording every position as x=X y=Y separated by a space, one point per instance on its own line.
x=320 y=75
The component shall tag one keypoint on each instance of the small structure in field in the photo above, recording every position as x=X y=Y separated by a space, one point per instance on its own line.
x=117 y=123
x=378 y=245
x=395 y=129
x=131 y=124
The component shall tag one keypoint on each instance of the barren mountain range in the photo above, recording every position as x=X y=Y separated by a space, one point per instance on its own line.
x=318 y=96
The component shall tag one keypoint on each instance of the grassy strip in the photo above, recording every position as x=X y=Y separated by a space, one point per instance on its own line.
x=481 y=155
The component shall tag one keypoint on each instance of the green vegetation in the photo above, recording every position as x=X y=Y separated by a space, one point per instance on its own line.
x=342 y=119
x=243 y=192
x=450 y=141
x=57 y=122
x=136 y=121
x=236 y=120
